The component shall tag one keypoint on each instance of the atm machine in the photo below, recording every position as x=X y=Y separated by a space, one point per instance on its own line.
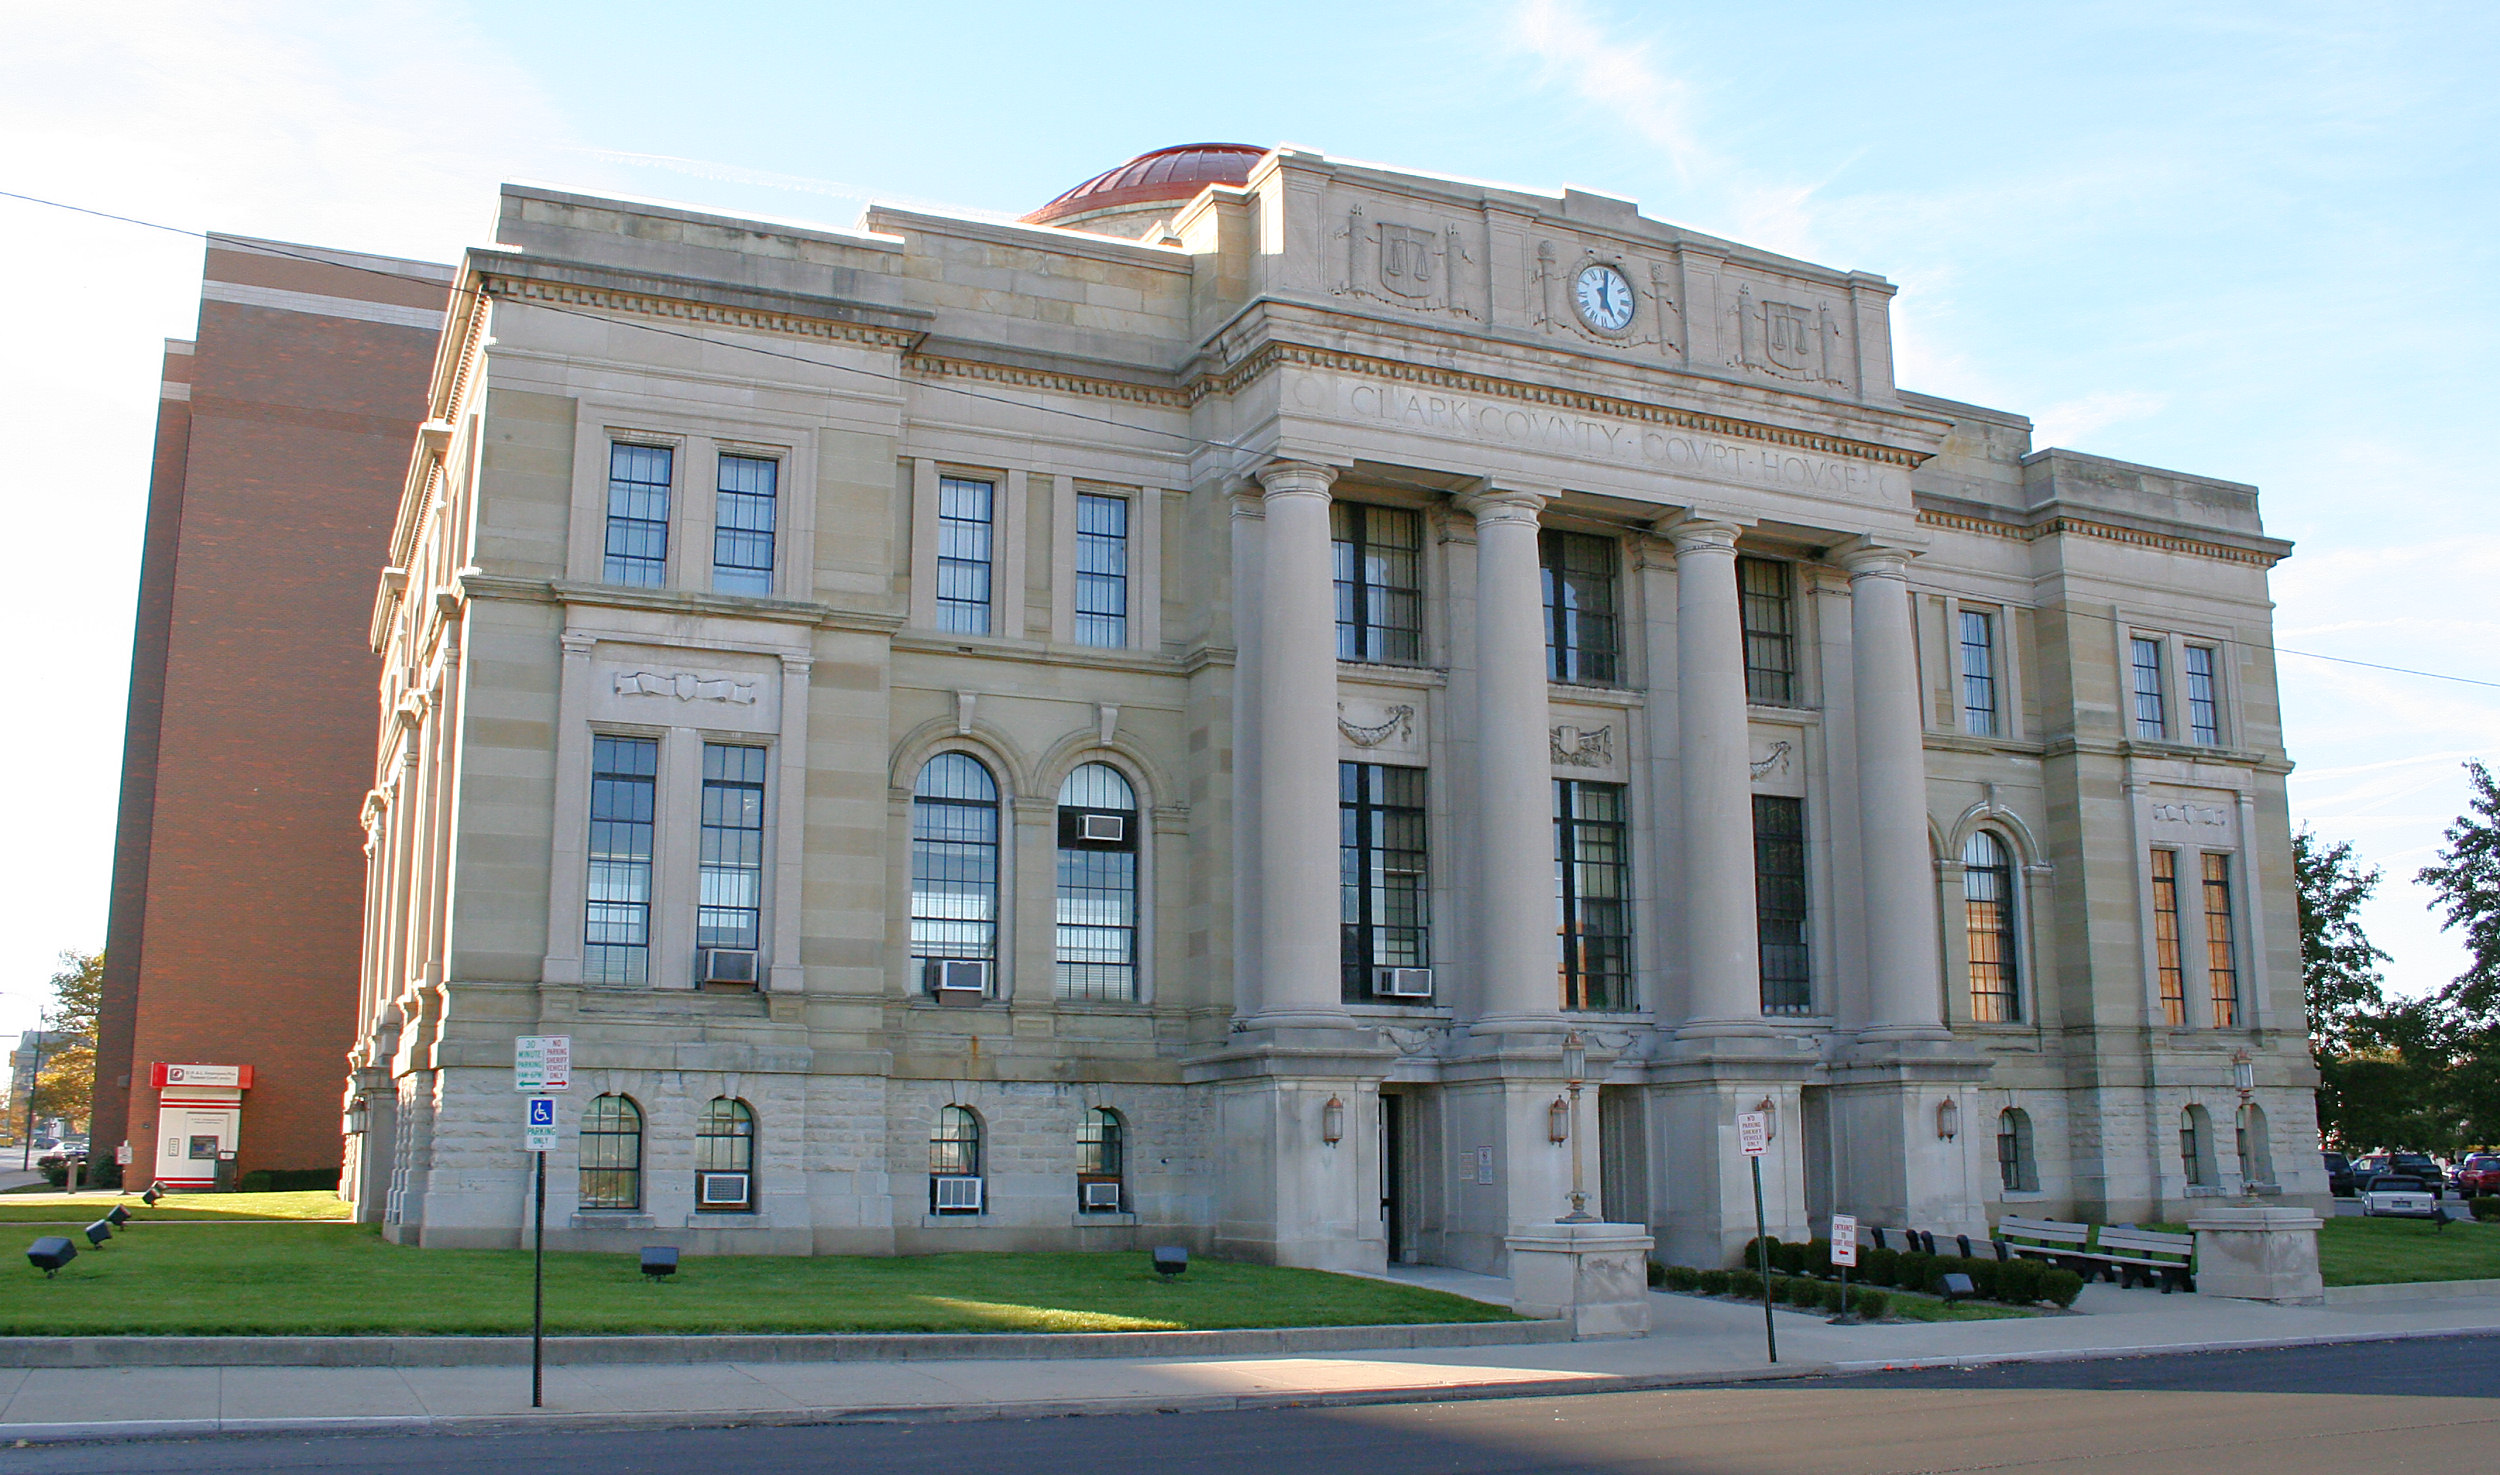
x=199 y=1116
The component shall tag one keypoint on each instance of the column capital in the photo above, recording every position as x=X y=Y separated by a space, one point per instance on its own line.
x=578 y=642
x=1503 y=505
x=1864 y=558
x=1297 y=479
x=797 y=665
x=1702 y=535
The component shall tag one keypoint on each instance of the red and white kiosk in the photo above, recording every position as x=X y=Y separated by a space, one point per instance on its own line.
x=199 y=1118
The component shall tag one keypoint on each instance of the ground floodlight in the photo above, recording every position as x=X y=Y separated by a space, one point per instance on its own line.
x=1171 y=1259
x=119 y=1217
x=50 y=1253
x=658 y=1261
x=100 y=1231
x=1958 y=1286
x=151 y=1196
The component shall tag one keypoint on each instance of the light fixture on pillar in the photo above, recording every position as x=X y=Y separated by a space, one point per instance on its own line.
x=1575 y=1069
x=1770 y=1118
x=1558 y=1122
x=2243 y=1074
x=1332 y=1121
x=1948 y=1119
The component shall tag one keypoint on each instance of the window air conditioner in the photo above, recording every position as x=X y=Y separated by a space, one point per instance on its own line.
x=1102 y=1197
x=722 y=1190
x=958 y=1195
x=1402 y=983
x=725 y=965
x=1111 y=828
x=959 y=980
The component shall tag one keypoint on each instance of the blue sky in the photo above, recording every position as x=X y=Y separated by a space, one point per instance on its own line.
x=2249 y=241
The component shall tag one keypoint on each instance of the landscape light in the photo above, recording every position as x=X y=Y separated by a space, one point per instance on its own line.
x=1171 y=1259
x=658 y=1261
x=1957 y=1286
x=119 y=1217
x=50 y=1253
x=98 y=1232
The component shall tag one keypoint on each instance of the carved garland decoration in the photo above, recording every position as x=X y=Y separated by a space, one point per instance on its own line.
x=1400 y=725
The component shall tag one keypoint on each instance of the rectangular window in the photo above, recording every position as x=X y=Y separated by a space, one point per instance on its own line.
x=639 y=478
x=965 y=516
x=1770 y=631
x=1380 y=867
x=1979 y=673
x=2166 y=959
x=731 y=913
x=1593 y=891
x=1779 y=886
x=2204 y=711
x=2222 y=971
x=616 y=935
x=1380 y=583
x=2151 y=720
x=743 y=515
x=1581 y=632
x=1101 y=571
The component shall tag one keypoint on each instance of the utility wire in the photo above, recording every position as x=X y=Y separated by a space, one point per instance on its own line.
x=1028 y=406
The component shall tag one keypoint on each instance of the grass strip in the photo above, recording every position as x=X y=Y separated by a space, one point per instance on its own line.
x=56 y=1207
x=2357 y=1252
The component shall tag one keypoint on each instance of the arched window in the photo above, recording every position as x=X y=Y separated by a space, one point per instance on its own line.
x=1996 y=995
x=954 y=875
x=611 y=1154
x=2256 y=1152
x=724 y=1157
x=1097 y=919
x=2016 y=1168
x=955 y=1162
x=2196 y=1147
x=1101 y=1156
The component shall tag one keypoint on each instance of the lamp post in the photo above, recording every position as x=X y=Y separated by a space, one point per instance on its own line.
x=1575 y=1070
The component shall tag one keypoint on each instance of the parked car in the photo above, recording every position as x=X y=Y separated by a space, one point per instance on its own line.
x=2399 y=1196
x=2422 y=1166
x=2478 y=1174
x=2338 y=1175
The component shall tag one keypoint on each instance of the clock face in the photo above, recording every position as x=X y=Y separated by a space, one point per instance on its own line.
x=1604 y=299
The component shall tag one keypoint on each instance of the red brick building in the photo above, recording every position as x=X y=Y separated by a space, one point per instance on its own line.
x=282 y=441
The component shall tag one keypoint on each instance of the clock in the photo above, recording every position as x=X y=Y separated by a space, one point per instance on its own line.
x=1604 y=298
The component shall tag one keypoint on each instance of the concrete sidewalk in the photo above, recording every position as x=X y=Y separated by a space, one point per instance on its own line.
x=1695 y=1341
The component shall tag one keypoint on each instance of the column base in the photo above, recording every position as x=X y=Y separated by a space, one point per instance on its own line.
x=2253 y=1254
x=1595 y=1276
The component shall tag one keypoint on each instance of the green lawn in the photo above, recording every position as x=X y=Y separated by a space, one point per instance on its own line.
x=336 y=1279
x=2354 y=1252
x=56 y=1207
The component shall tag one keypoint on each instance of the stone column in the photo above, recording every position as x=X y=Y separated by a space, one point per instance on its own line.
x=789 y=975
x=1298 y=752
x=1897 y=870
x=1722 y=961
x=1514 y=905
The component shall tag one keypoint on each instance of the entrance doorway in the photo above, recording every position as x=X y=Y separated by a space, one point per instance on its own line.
x=1622 y=1156
x=1393 y=1176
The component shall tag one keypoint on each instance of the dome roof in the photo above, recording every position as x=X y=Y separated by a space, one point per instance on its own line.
x=1166 y=176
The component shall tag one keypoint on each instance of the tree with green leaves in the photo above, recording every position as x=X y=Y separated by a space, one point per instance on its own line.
x=2467 y=879
x=2339 y=969
x=66 y=1088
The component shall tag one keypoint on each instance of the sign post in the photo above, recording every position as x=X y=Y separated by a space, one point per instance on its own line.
x=1844 y=1255
x=1753 y=1134
x=540 y=1063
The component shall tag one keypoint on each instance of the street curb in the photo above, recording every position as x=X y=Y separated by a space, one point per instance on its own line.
x=1559 y=1387
x=2410 y=1290
x=112 y=1352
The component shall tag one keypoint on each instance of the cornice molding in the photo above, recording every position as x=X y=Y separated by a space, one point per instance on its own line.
x=2082 y=527
x=948 y=366
x=501 y=286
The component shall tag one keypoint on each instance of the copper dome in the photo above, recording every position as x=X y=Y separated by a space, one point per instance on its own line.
x=1166 y=176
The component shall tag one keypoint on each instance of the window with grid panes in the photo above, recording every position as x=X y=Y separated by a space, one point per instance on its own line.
x=731 y=912
x=2152 y=718
x=1101 y=571
x=616 y=927
x=1979 y=672
x=2204 y=706
x=1779 y=885
x=1988 y=925
x=2222 y=969
x=1770 y=623
x=966 y=515
x=744 y=511
x=1097 y=918
x=2016 y=1169
x=1381 y=879
x=1593 y=890
x=611 y=1154
x=954 y=863
x=639 y=478
x=1582 y=634
x=2168 y=966
x=1378 y=552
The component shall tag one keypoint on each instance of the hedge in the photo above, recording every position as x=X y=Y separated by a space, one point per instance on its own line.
x=2015 y=1282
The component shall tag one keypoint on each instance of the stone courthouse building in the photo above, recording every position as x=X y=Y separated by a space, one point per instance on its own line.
x=1178 y=718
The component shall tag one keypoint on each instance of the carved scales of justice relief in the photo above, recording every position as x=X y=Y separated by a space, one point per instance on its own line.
x=686 y=686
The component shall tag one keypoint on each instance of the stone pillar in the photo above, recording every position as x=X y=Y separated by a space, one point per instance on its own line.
x=1299 y=983
x=1895 y=866
x=789 y=975
x=1721 y=955
x=2256 y=1254
x=1514 y=903
x=1595 y=1276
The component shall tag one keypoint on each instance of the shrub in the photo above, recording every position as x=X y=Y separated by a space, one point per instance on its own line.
x=1711 y=1282
x=1880 y=1267
x=1982 y=1273
x=1918 y=1272
x=1835 y=1297
x=288 y=1180
x=2486 y=1208
x=1750 y=1257
x=2018 y=1281
x=1679 y=1277
x=2060 y=1285
x=1744 y=1283
x=1789 y=1258
x=1801 y=1290
x=1871 y=1304
x=1818 y=1258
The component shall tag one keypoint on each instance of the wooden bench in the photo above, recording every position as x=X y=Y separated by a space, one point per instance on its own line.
x=2054 y=1240
x=2150 y=1256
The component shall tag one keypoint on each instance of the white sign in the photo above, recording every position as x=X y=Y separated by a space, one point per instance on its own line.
x=538 y=1131
x=1844 y=1239
x=1753 y=1132
x=121 y=1154
x=542 y=1063
x=203 y=1075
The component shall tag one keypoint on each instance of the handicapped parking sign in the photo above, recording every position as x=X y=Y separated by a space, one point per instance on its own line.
x=538 y=1134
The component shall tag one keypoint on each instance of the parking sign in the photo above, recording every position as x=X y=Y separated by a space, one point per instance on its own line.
x=1844 y=1239
x=1753 y=1132
x=538 y=1132
x=542 y=1063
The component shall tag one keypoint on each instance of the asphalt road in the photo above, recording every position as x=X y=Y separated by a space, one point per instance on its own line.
x=2388 y=1406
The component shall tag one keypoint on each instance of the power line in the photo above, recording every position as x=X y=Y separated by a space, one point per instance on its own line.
x=1195 y=441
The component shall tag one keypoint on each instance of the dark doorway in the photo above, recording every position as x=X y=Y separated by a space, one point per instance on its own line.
x=1393 y=1175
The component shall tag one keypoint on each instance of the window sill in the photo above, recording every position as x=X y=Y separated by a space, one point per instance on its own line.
x=1123 y=1007
x=612 y=1219
x=1084 y=1220
x=955 y=1221
x=1415 y=675
x=1384 y=1009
